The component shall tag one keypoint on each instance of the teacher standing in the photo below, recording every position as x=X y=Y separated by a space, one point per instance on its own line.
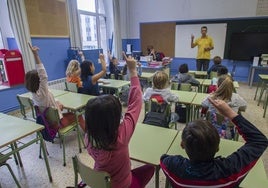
x=205 y=45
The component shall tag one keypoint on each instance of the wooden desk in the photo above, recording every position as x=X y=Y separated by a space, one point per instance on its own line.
x=114 y=84
x=13 y=129
x=186 y=98
x=255 y=178
x=149 y=143
x=147 y=76
x=252 y=72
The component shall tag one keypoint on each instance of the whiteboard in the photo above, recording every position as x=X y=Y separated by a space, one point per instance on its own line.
x=183 y=39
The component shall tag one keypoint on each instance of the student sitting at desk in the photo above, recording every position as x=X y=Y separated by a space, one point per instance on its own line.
x=157 y=56
x=36 y=83
x=216 y=66
x=201 y=141
x=89 y=79
x=73 y=72
x=184 y=77
x=225 y=92
x=108 y=135
x=113 y=66
x=160 y=87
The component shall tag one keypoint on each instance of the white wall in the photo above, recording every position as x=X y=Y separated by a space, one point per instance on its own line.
x=138 y=11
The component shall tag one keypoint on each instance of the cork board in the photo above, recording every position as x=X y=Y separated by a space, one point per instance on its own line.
x=47 y=18
x=160 y=35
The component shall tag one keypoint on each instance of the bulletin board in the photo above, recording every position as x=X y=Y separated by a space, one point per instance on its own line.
x=47 y=18
x=160 y=35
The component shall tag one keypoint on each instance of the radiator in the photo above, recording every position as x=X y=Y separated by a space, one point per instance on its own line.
x=57 y=84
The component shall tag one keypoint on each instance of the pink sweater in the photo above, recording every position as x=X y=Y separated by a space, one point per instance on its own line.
x=117 y=162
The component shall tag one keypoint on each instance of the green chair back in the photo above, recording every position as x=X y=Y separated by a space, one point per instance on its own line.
x=25 y=103
x=69 y=86
x=185 y=87
x=213 y=74
x=93 y=178
x=52 y=116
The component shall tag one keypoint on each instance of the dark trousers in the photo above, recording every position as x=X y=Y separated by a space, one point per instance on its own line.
x=202 y=63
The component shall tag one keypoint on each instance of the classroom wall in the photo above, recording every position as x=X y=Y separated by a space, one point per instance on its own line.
x=136 y=12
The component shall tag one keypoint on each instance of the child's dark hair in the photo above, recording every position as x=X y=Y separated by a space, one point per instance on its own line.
x=222 y=71
x=102 y=117
x=200 y=139
x=86 y=69
x=217 y=60
x=183 y=68
x=32 y=81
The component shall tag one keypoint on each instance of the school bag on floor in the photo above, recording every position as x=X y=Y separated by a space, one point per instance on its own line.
x=49 y=132
x=180 y=109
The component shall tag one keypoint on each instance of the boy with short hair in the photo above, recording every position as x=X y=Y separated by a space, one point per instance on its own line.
x=201 y=141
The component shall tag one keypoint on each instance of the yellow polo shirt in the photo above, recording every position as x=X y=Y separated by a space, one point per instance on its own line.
x=202 y=43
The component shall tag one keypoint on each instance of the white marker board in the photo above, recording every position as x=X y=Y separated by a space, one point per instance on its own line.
x=183 y=39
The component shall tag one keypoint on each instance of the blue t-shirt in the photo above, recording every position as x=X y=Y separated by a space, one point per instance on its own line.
x=89 y=88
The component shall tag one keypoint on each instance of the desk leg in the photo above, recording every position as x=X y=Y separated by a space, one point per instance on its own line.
x=157 y=168
x=45 y=155
x=256 y=92
x=18 y=154
x=252 y=72
x=79 y=136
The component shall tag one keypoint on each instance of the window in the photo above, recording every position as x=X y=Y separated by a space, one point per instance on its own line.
x=92 y=23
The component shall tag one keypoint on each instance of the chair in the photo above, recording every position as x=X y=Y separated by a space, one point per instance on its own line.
x=93 y=178
x=2 y=163
x=181 y=86
x=213 y=74
x=155 y=106
x=53 y=118
x=25 y=102
x=69 y=86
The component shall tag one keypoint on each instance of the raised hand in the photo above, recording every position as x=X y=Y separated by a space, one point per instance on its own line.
x=223 y=108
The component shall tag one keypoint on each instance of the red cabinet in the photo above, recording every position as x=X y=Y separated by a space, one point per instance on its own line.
x=11 y=67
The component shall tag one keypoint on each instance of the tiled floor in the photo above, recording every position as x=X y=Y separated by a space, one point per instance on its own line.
x=34 y=173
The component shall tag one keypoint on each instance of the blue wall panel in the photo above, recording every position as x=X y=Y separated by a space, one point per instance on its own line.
x=8 y=100
x=136 y=45
x=53 y=53
x=12 y=44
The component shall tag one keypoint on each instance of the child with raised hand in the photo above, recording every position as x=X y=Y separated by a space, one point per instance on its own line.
x=225 y=92
x=73 y=73
x=36 y=81
x=89 y=79
x=113 y=66
x=201 y=141
x=160 y=87
x=107 y=135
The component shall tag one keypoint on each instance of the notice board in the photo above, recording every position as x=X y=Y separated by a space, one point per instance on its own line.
x=47 y=18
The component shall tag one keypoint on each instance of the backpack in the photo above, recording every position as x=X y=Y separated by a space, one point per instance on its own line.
x=180 y=109
x=48 y=132
x=159 y=112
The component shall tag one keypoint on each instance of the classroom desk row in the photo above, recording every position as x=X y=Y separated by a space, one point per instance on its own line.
x=149 y=143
